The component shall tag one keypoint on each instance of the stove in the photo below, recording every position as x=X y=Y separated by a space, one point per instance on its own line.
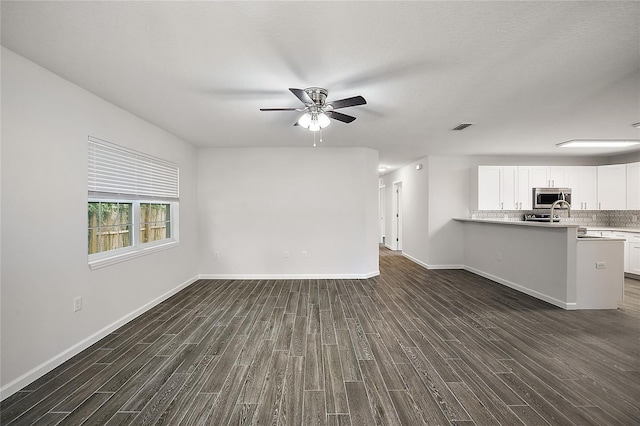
x=541 y=218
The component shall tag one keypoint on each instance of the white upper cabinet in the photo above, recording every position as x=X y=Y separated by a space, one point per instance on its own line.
x=559 y=176
x=612 y=187
x=538 y=176
x=490 y=187
x=633 y=186
x=525 y=193
x=508 y=187
x=498 y=188
x=583 y=181
x=530 y=177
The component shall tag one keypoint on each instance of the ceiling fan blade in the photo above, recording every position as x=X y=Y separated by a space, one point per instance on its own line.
x=340 y=116
x=348 y=102
x=278 y=109
x=302 y=95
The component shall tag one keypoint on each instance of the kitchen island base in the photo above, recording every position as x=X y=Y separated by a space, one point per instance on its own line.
x=547 y=261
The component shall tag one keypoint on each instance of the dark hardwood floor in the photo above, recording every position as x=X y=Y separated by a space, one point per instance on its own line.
x=631 y=302
x=412 y=346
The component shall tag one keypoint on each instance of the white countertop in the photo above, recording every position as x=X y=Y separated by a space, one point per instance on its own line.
x=609 y=228
x=551 y=225
x=599 y=239
x=560 y=224
x=521 y=223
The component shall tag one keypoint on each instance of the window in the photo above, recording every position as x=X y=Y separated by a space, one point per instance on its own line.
x=132 y=204
x=155 y=222
x=110 y=226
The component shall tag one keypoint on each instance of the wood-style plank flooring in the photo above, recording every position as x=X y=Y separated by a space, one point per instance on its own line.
x=412 y=346
x=631 y=302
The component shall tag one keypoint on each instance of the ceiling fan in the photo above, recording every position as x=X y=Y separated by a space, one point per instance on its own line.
x=318 y=112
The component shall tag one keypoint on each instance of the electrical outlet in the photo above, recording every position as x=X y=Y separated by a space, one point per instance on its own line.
x=634 y=218
x=77 y=304
x=286 y=254
x=499 y=257
x=304 y=254
x=216 y=254
x=601 y=265
x=593 y=217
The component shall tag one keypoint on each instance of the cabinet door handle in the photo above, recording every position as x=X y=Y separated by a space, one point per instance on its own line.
x=520 y=206
x=599 y=205
x=501 y=206
x=553 y=183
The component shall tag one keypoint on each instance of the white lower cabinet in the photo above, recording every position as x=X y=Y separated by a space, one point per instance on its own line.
x=633 y=256
x=627 y=239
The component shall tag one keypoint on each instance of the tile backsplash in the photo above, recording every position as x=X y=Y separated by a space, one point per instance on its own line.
x=608 y=218
x=624 y=218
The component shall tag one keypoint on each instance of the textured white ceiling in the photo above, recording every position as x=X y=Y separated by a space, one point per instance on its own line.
x=530 y=74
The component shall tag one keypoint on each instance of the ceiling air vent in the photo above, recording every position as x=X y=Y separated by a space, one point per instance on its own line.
x=462 y=126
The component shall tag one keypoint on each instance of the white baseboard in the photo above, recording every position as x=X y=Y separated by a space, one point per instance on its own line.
x=288 y=276
x=570 y=306
x=42 y=369
x=453 y=266
x=425 y=265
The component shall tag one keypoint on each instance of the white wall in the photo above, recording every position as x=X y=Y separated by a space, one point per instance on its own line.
x=448 y=198
x=45 y=124
x=254 y=204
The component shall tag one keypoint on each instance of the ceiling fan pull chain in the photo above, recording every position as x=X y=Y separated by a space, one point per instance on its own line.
x=314 y=139
x=320 y=134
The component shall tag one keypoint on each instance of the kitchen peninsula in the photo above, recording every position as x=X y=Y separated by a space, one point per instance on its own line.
x=547 y=261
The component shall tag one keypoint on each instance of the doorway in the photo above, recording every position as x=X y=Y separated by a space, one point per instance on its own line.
x=396 y=244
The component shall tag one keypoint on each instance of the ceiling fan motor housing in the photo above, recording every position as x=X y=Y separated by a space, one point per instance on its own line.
x=317 y=94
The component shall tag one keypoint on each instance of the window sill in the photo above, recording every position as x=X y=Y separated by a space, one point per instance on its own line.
x=112 y=260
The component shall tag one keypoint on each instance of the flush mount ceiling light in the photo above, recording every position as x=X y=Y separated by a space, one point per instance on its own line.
x=598 y=143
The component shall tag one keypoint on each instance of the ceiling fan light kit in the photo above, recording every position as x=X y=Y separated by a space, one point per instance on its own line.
x=314 y=121
x=317 y=113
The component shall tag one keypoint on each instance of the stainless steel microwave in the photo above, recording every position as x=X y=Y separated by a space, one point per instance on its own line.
x=544 y=197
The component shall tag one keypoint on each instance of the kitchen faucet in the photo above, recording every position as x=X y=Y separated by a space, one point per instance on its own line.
x=553 y=206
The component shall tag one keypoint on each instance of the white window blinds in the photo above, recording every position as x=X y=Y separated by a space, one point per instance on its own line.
x=117 y=170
